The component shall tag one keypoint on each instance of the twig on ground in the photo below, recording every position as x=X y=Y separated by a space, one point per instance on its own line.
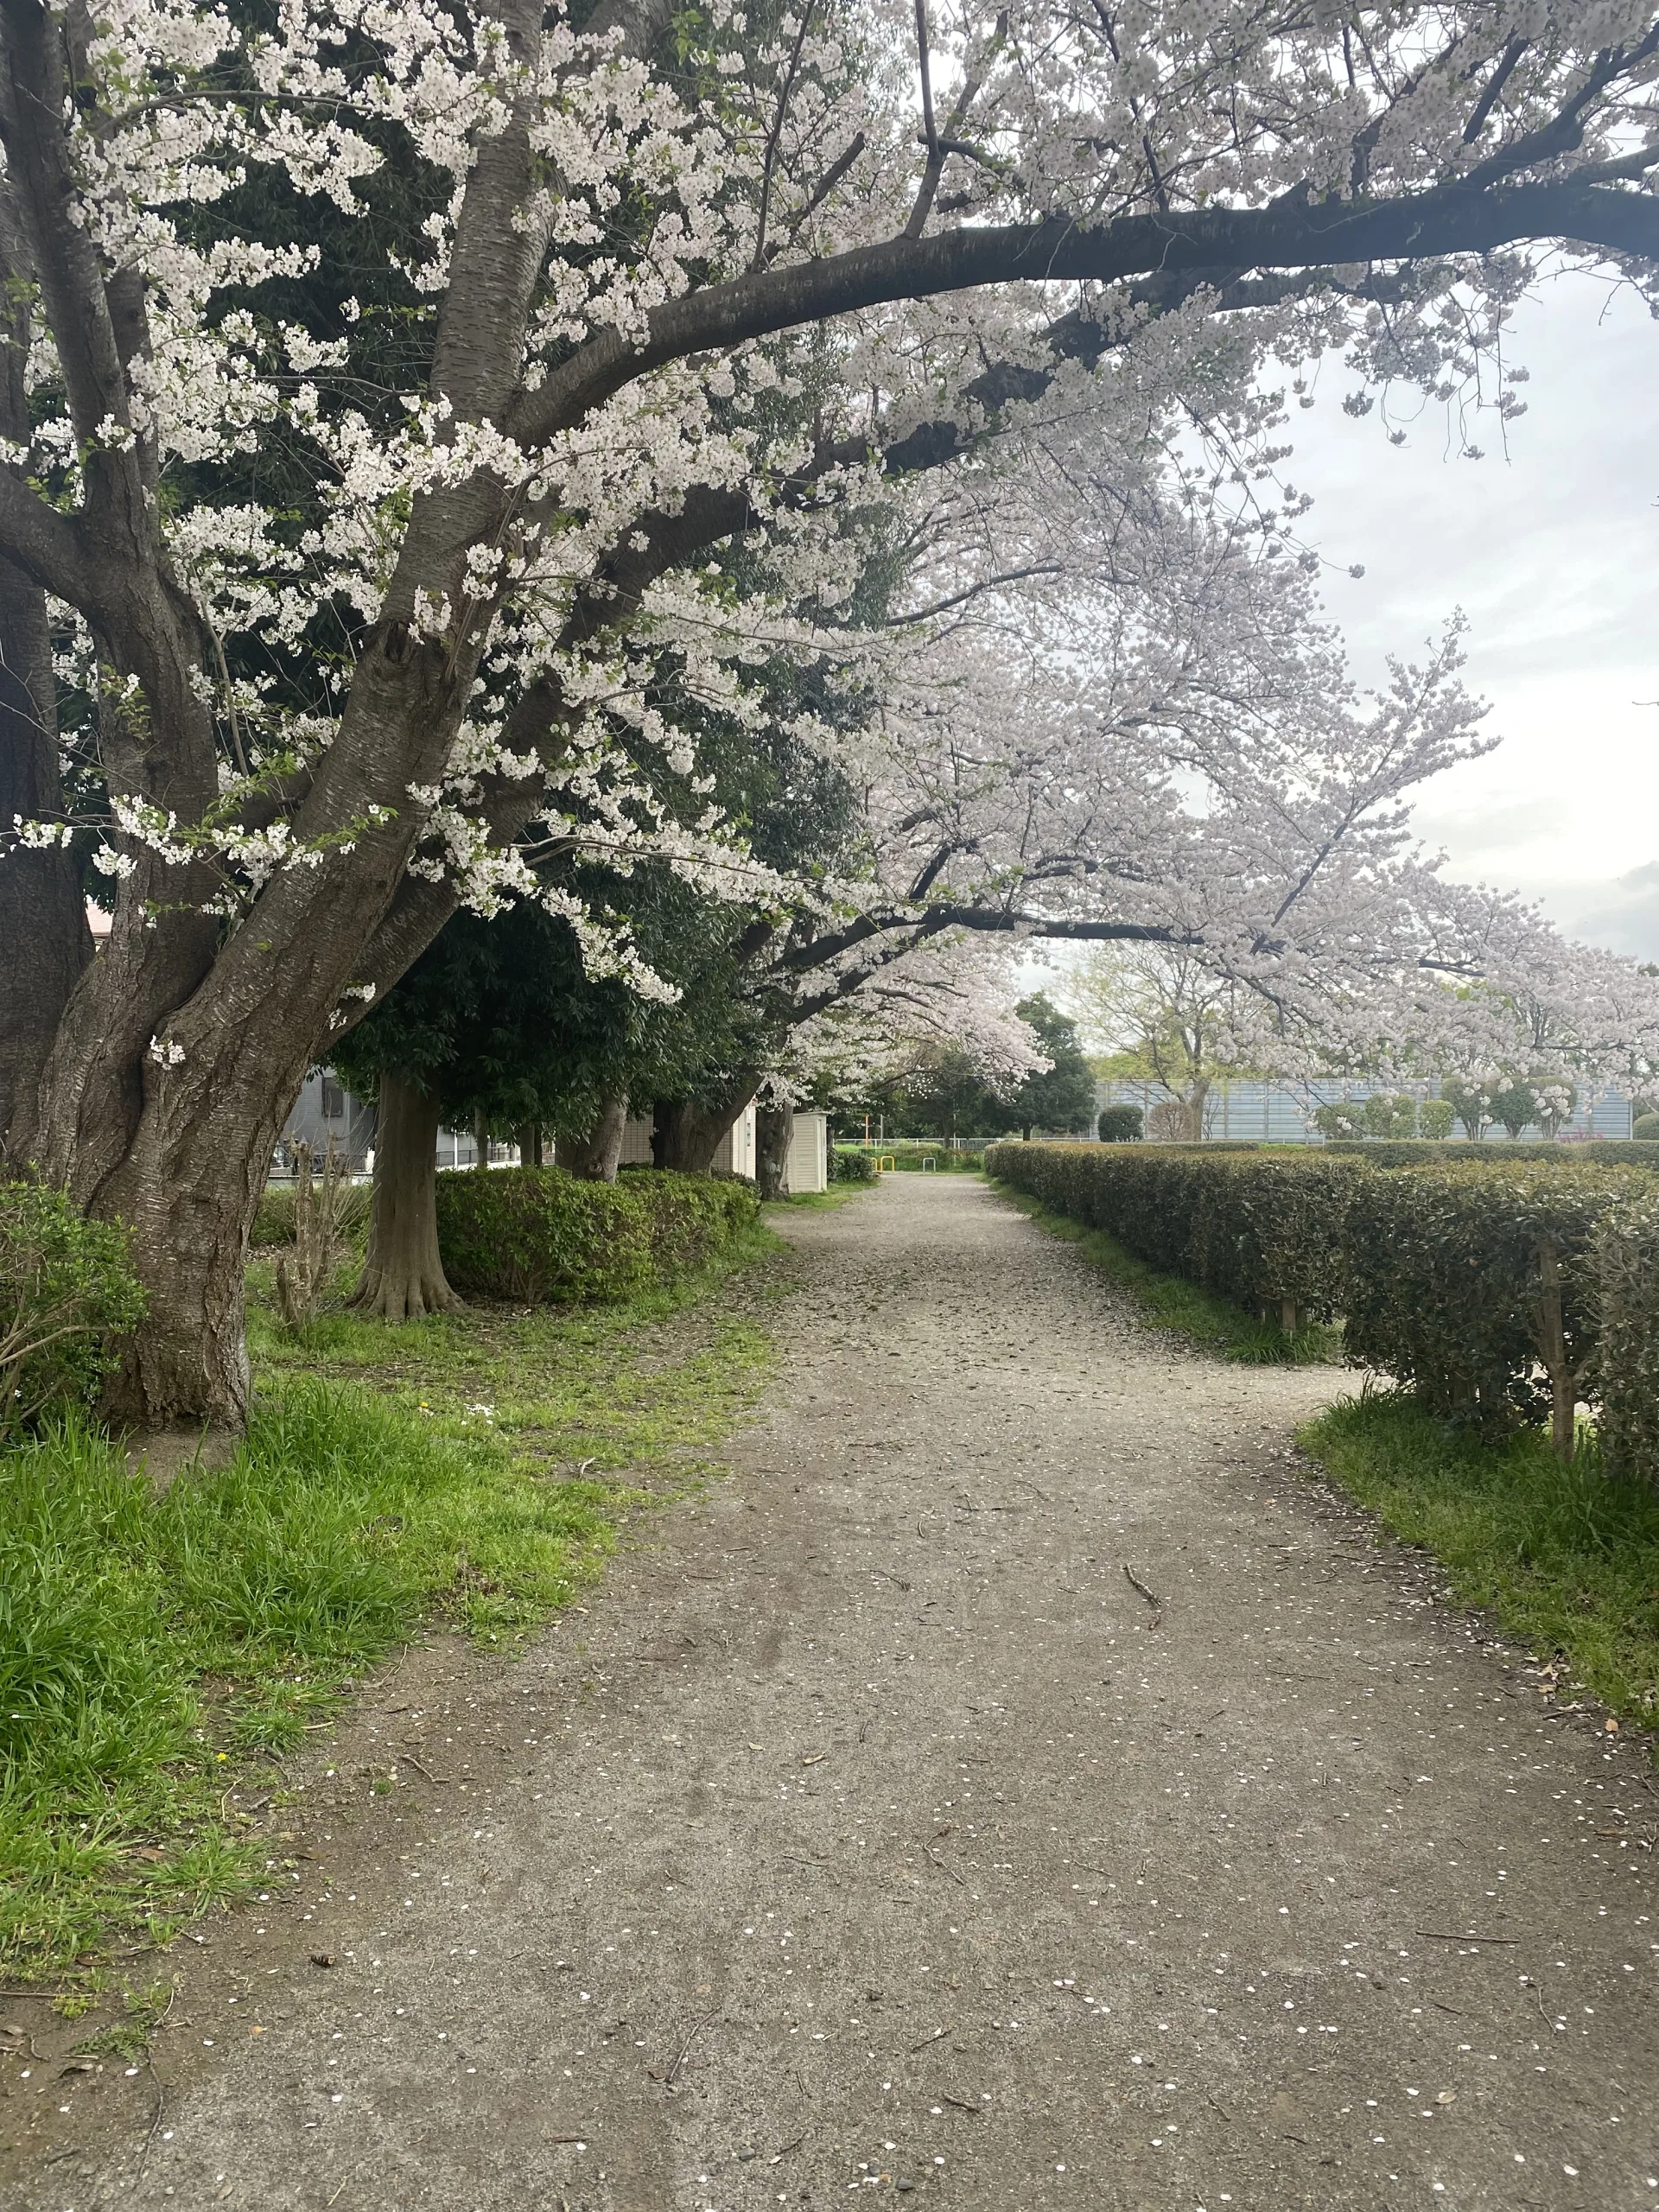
x=943 y=1868
x=1151 y=1596
x=783 y=2150
x=972 y=2111
x=1440 y=1936
x=155 y=2117
x=410 y=1759
x=926 y=2042
x=666 y=2077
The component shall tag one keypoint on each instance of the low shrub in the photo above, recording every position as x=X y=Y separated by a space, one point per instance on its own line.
x=1390 y=1114
x=1262 y=1229
x=537 y=1235
x=1434 y=1119
x=1465 y=1280
x=848 y=1165
x=68 y=1295
x=1624 y=1261
x=1498 y=1152
x=1645 y=1129
x=1339 y=1121
x=1122 y=1125
x=1501 y=1287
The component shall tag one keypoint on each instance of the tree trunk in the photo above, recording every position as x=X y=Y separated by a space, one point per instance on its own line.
x=529 y=1144
x=44 y=939
x=402 y=1276
x=774 y=1126
x=1194 y=1105
x=596 y=1156
x=687 y=1136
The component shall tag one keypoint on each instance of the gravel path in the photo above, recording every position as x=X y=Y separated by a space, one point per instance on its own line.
x=870 y=1831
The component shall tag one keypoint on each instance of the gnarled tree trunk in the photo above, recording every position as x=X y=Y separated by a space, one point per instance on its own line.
x=402 y=1275
x=687 y=1134
x=774 y=1131
x=596 y=1155
x=529 y=1144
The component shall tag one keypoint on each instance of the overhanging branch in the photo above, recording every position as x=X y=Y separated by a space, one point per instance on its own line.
x=1292 y=233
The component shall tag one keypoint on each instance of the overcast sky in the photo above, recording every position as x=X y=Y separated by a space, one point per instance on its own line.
x=1552 y=551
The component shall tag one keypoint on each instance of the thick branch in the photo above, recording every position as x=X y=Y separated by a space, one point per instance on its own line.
x=1290 y=234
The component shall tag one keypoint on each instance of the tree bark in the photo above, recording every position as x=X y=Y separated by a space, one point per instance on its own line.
x=1194 y=1105
x=529 y=1144
x=402 y=1275
x=44 y=939
x=774 y=1128
x=687 y=1136
x=596 y=1156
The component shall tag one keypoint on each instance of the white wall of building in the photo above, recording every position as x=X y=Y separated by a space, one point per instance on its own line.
x=809 y=1156
x=734 y=1155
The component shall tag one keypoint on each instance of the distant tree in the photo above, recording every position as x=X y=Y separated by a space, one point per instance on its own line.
x=1121 y=1125
x=1163 y=1017
x=1472 y=1104
x=1516 y=1106
x=1389 y=1114
x=1063 y=1097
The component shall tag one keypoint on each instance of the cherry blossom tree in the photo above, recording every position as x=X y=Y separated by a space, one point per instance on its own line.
x=325 y=582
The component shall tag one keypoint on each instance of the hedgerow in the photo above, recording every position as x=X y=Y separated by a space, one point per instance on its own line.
x=1262 y=1230
x=537 y=1235
x=1498 y=1152
x=1501 y=1290
x=1475 y=1285
x=1625 y=1249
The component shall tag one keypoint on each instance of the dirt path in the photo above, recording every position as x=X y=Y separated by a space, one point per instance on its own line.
x=870 y=1831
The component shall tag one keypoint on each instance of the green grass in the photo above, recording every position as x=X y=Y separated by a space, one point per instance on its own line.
x=472 y=1471
x=1170 y=1302
x=838 y=1194
x=1567 y=1559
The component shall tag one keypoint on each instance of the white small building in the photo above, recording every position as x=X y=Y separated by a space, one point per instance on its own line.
x=808 y=1168
x=734 y=1154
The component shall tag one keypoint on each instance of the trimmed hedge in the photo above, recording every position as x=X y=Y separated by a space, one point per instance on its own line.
x=1625 y=1259
x=1262 y=1230
x=1498 y=1152
x=1499 y=1289
x=1465 y=1280
x=538 y=1236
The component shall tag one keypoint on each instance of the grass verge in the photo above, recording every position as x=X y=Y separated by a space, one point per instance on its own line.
x=1169 y=1302
x=1567 y=1560
x=838 y=1194
x=473 y=1470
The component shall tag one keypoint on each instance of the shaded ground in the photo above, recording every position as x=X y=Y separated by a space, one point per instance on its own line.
x=870 y=1830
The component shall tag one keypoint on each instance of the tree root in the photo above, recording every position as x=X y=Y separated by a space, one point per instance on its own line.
x=395 y=1296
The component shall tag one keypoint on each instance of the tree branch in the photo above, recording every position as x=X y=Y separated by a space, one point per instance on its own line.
x=1290 y=234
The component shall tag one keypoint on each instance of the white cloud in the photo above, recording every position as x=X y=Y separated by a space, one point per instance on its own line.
x=1551 y=549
